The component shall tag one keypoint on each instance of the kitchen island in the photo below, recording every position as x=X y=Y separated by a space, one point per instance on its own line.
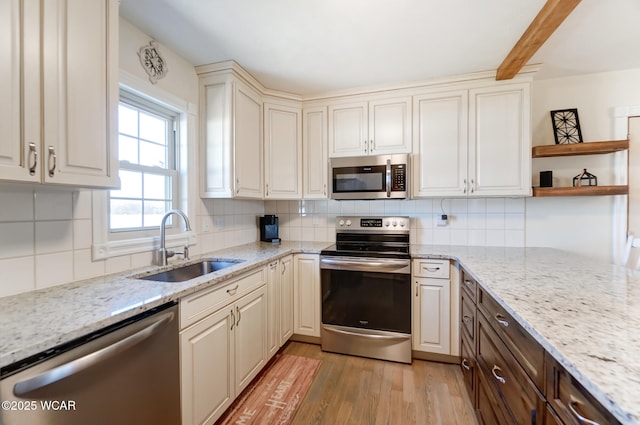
x=585 y=313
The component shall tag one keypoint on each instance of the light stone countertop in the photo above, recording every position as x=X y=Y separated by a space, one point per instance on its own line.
x=585 y=313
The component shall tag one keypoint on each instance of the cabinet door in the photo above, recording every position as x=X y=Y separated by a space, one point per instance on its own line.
x=307 y=295
x=314 y=151
x=440 y=144
x=348 y=129
x=390 y=126
x=80 y=92
x=250 y=330
x=286 y=299
x=283 y=152
x=431 y=314
x=19 y=41
x=207 y=364
x=273 y=309
x=248 y=142
x=500 y=140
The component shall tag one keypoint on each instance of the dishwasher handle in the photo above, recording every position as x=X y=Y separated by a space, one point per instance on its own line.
x=27 y=386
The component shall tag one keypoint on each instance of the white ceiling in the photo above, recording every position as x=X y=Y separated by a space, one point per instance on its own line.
x=315 y=46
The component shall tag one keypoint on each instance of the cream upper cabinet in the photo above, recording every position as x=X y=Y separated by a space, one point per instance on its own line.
x=473 y=142
x=77 y=142
x=500 y=140
x=439 y=144
x=283 y=151
x=377 y=126
x=231 y=138
x=314 y=153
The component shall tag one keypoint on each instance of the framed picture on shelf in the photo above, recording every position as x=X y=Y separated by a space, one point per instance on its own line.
x=566 y=126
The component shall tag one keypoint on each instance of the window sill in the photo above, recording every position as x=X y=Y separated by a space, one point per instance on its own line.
x=135 y=246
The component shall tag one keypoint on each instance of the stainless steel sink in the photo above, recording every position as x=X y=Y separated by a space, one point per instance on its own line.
x=191 y=271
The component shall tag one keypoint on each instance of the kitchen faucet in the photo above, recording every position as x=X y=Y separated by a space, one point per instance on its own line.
x=163 y=253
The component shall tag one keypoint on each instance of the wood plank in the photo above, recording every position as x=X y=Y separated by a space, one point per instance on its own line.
x=590 y=148
x=552 y=14
x=355 y=390
x=581 y=191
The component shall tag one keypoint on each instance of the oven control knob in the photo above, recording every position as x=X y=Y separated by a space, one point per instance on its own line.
x=341 y=223
x=348 y=223
x=394 y=223
x=386 y=223
x=402 y=223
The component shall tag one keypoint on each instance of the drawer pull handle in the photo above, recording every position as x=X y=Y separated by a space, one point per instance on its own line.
x=430 y=269
x=495 y=371
x=581 y=419
x=54 y=157
x=233 y=291
x=468 y=282
x=501 y=319
x=467 y=319
x=33 y=158
x=233 y=319
x=465 y=364
x=239 y=316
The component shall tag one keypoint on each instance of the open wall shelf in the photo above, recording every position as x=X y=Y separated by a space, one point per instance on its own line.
x=591 y=148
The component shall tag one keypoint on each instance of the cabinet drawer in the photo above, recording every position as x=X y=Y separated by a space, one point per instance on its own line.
x=468 y=284
x=521 y=400
x=570 y=400
x=527 y=351
x=550 y=417
x=431 y=268
x=468 y=366
x=468 y=320
x=199 y=305
x=489 y=409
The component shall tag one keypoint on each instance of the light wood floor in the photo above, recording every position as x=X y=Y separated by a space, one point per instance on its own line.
x=356 y=390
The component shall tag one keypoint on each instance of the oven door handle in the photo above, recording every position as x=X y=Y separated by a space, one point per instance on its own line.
x=369 y=265
x=367 y=335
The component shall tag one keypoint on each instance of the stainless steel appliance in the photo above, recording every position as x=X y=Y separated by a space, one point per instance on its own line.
x=127 y=373
x=365 y=283
x=370 y=177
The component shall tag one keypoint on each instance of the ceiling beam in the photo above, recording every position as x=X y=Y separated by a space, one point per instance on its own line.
x=552 y=14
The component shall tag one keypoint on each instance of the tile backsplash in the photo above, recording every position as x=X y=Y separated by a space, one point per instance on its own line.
x=46 y=234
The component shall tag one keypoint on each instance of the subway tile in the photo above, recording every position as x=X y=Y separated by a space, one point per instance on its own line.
x=16 y=239
x=118 y=264
x=17 y=275
x=477 y=205
x=84 y=267
x=17 y=204
x=54 y=269
x=477 y=237
x=82 y=204
x=54 y=236
x=459 y=236
x=495 y=205
x=53 y=205
x=82 y=234
x=514 y=238
x=495 y=221
x=514 y=205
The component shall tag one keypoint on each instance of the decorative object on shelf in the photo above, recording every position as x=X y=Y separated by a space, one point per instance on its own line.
x=153 y=62
x=566 y=126
x=585 y=178
x=546 y=179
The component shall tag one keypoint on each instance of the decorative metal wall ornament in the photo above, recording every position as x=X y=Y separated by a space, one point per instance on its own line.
x=566 y=126
x=585 y=178
x=153 y=62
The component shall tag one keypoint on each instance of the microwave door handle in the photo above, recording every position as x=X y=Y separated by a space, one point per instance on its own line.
x=388 y=178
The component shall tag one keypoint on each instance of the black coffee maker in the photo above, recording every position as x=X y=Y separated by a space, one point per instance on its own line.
x=269 y=229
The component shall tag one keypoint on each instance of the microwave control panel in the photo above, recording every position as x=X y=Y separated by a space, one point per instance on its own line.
x=398 y=177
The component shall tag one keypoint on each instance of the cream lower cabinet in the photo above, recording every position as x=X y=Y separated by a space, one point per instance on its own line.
x=60 y=92
x=474 y=142
x=279 y=304
x=431 y=306
x=306 y=293
x=223 y=346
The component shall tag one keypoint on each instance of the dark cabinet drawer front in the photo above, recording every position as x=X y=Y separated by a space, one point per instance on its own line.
x=570 y=400
x=490 y=409
x=512 y=385
x=525 y=349
x=469 y=285
x=468 y=320
x=468 y=366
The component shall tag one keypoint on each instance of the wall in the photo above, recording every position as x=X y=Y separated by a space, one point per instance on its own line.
x=586 y=225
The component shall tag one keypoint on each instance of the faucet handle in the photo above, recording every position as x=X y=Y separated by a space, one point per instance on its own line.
x=184 y=253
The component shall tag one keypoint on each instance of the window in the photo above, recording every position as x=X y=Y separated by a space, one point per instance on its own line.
x=148 y=174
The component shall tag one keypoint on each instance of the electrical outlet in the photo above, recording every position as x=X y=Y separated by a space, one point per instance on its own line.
x=443 y=220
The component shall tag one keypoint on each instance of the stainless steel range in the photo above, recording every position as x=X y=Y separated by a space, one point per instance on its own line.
x=366 y=289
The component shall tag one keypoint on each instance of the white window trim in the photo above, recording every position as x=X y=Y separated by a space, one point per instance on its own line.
x=104 y=248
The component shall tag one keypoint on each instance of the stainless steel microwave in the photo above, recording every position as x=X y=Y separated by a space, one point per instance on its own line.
x=369 y=177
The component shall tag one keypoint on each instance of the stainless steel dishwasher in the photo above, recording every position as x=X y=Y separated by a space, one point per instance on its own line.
x=127 y=373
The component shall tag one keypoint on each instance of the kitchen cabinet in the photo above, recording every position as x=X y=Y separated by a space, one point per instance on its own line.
x=231 y=148
x=306 y=294
x=431 y=306
x=591 y=148
x=370 y=127
x=61 y=84
x=472 y=142
x=279 y=304
x=283 y=151
x=223 y=344
x=314 y=151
